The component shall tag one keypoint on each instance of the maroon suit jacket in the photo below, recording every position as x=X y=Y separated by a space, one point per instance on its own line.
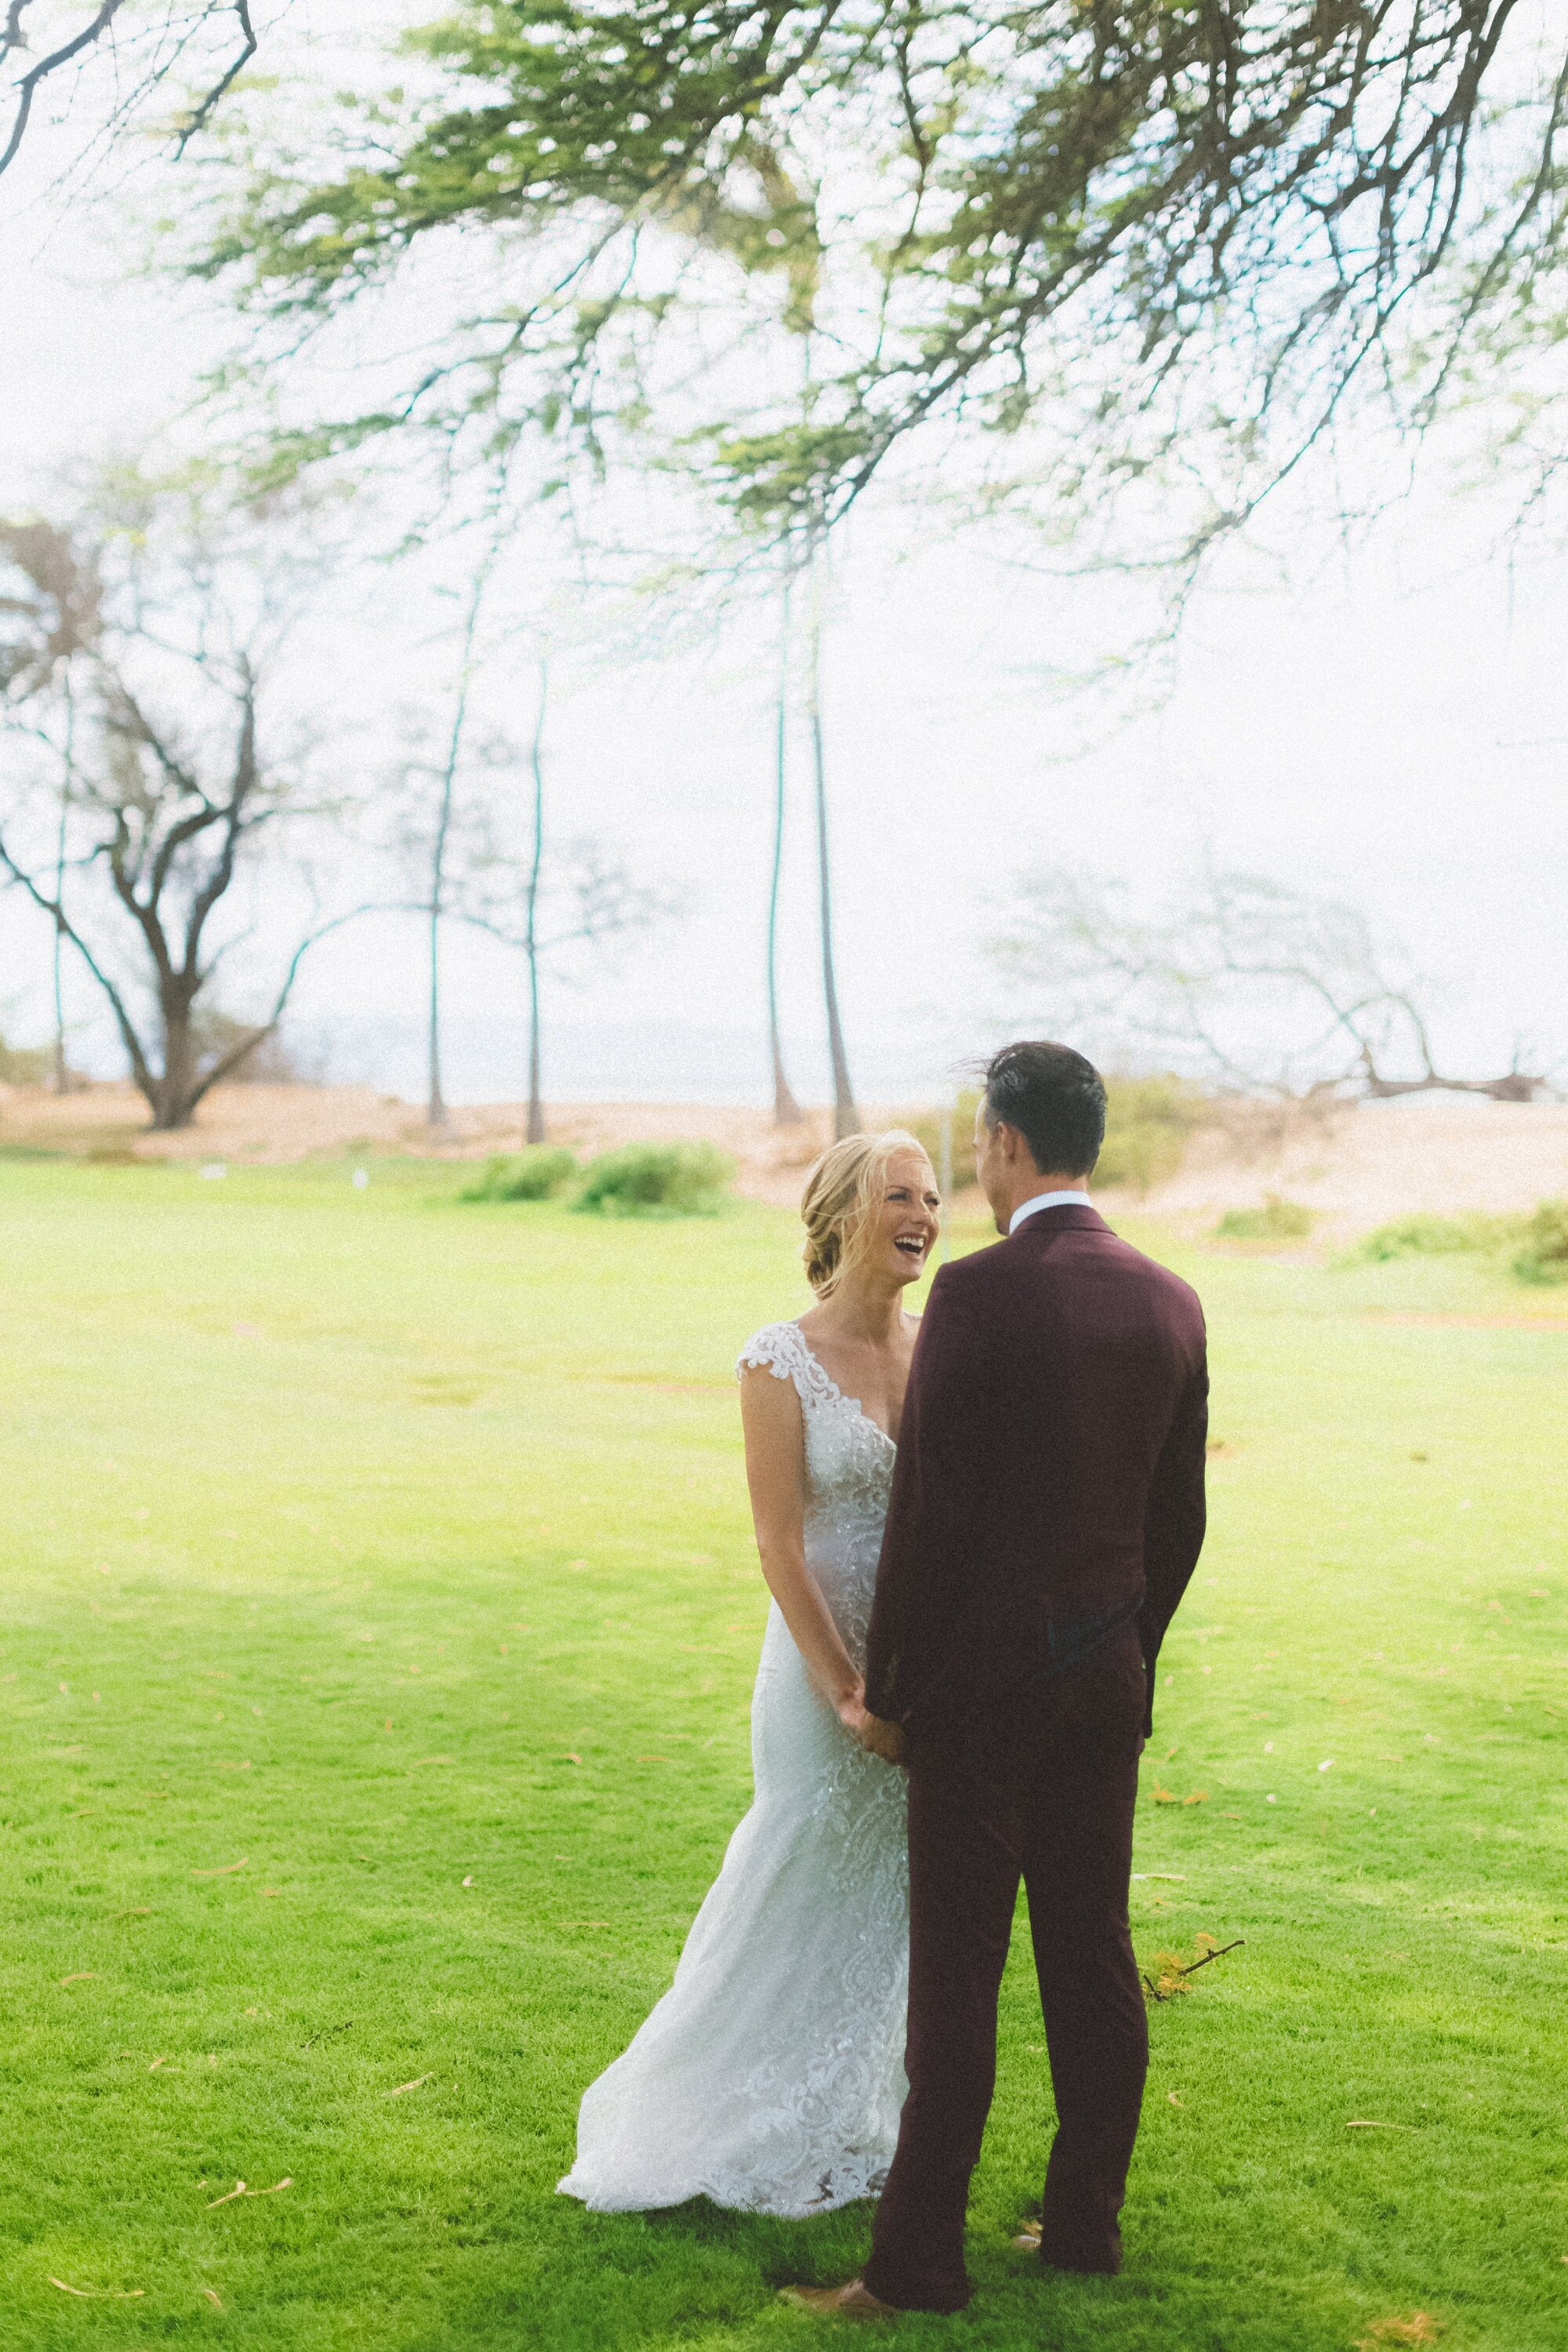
x=1050 y=1465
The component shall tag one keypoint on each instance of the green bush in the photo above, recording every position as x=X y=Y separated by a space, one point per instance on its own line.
x=674 y=1179
x=1544 y=1257
x=25 y=1065
x=1147 y=1123
x=1276 y=1220
x=536 y=1174
x=1426 y=1236
x=926 y=1128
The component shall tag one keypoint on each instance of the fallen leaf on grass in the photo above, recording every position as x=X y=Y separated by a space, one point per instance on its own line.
x=222 y=1870
x=1174 y=2101
x=1419 y=2328
x=239 y=2190
x=1198 y=1797
x=213 y=2297
x=1370 y=2123
x=1164 y=1796
x=410 y=2086
x=80 y=1977
x=467 y=1882
x=119 y=2294
x=572 y=1757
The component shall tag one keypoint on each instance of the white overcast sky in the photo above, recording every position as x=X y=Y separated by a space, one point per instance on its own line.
x=1389 y=723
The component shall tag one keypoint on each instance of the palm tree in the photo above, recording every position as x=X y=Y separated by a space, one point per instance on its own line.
x=787 y=1110
x=846 y=1116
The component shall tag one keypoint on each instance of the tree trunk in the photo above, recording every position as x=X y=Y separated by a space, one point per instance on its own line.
x=172 y=1096
x=435 y=1104
x=787 y=1110
x=846 y=1117
x=531 y=936
x=61 y=1073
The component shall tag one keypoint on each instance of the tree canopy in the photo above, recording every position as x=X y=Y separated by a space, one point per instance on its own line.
x=1184 y=231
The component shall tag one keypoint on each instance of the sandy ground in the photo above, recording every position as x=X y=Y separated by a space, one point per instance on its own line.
x=1364 y=1163
x=1356 y=1164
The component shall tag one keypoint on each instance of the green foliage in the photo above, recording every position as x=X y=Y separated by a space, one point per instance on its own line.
x=536 y=1173
x=1544 y=1257
x=1276 y=1220
x=1073 y=198
x=1429 y=1236
x=926 y=1128
x=678 y=1180
x=388 y=1439
x=1147 y=1123
x=25 y=1065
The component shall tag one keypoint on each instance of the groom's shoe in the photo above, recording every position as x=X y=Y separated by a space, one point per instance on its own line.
x=1057 y=2255
x=855 y=2301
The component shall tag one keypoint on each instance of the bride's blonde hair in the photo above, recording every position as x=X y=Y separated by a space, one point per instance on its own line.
x=843 y=1192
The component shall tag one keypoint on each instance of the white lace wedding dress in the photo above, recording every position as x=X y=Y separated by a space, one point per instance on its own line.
x=771 y=2075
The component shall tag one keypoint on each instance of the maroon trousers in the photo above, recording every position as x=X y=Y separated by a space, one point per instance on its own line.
x=1046 y=1795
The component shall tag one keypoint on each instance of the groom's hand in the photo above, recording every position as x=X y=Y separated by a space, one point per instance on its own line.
x=882 y=1738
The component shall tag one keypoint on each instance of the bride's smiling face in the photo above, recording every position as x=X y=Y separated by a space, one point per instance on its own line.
x=906 y=1226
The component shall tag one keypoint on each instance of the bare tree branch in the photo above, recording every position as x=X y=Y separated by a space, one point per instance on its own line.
x=28 y=83
x=220 y=88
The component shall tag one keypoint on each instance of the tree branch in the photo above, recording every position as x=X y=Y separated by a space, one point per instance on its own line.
x=29 y=81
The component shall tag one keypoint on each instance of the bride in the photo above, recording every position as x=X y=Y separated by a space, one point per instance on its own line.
x=770 y=2076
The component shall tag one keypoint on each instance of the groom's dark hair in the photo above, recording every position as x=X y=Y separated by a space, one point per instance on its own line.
x=1055 y=1100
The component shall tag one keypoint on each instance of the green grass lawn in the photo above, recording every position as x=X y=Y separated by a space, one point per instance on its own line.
x=381 y=1618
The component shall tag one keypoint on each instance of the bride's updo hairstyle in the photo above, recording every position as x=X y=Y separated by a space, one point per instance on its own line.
x=842 y=1196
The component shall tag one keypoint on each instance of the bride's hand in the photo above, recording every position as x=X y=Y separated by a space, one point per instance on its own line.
x=850 y=1708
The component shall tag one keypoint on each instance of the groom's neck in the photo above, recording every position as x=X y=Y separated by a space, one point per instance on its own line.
x=1028 y=1184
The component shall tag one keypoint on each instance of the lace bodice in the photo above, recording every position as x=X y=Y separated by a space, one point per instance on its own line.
x=848 y=1475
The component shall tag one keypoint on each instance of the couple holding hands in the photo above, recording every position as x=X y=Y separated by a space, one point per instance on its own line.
x=976 y=1527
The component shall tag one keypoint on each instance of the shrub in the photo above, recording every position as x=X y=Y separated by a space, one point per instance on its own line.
x=1147 y=1123
x=1544 y=1257
x=926 y=1128
x=1426 y=1236
x=1276 y=1220
x=676 y=1180
x=536 y=1174
x=272 y=1063
x=25 y=1065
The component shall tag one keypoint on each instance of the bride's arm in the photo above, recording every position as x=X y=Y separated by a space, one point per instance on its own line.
x=775 y=1473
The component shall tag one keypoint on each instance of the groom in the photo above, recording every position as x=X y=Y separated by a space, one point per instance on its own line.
x=1046 y=1513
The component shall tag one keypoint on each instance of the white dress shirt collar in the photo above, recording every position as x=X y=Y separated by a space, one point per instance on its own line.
x=1046 y=1200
